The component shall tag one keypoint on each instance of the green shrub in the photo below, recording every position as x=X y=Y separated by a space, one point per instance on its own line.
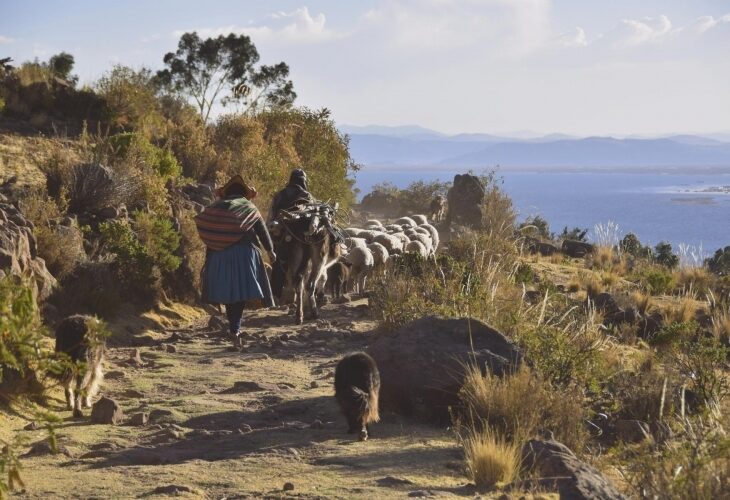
x=160 y=240
x=702 y=363
x=560 y=357
x=136 y=266
x=536 y=226
x=663 y=255
x=144 y=256
x=631 y=245
x=524 y=274
x=160 y=159
x=674 y=333
x=23 y=363
x=719 y=263
x=576 y=234
x=655 y=280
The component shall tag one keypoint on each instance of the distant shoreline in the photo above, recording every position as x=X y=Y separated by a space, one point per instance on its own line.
x=670 y=170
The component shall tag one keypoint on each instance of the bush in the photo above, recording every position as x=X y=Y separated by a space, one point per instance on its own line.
x=631 y=245
x=701 y=363
x=719 y=263
x=694 y=464
x=160 y=240
x=674 y=332
x=524 y=274
x=143 y=257
x=655 y=280
x=562 y=358
x=133 y=144
x=576 y=234
x=91 y=187
x=131 y=100
x=663 y=255
x=536 y=227
x=464 y=285
x=23 y=363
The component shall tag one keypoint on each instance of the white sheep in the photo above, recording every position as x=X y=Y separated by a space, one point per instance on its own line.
x=403 y=238
x=434 y=235
x=380 y=256
x=392 y=244
x=418 y=248
x=407 y=221
x=352 y=231
x=374 y=222
x=353 y=242
x=420 y=219
x=393 y=227
x=425 y=241
x=362 y=261
x=368 y=235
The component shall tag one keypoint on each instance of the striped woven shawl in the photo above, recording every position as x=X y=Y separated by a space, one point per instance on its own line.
x=224 y=222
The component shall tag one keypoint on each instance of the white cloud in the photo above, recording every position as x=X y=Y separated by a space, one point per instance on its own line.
x=5 y=39
x=514 y=26
x=706 y=23
x=574 y=38
x=280 y=27
x=635 y=32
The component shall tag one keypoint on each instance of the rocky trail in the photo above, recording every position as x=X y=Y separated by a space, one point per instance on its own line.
x=229 y=424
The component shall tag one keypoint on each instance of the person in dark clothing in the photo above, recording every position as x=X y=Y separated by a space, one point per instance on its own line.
x=296 y=191
x=232 y=229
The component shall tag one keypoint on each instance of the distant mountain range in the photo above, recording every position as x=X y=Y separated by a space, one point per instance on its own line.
x=414 y=146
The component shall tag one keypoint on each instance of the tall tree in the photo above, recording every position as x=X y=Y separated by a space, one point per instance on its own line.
x=61 y=65
x=225 y=68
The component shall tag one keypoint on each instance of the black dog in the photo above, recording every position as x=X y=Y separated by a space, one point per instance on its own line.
x=357 y=384
x=74 y=337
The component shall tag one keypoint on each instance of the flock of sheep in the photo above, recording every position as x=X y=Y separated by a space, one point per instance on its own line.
x=368 y=249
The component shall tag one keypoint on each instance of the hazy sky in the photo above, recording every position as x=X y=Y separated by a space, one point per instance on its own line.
x=574 y=66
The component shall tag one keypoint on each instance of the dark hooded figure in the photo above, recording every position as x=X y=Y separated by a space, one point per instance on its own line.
x=295 y=192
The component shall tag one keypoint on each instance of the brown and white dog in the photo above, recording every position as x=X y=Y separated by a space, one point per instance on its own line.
x=76 y=336
x=357 y=385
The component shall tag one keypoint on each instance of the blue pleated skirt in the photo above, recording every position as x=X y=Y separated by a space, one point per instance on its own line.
x=236 y=274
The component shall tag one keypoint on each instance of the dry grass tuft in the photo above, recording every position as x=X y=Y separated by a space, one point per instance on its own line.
x=491 y=459
x=609 y=279
x=682 y=312
x=642 y=302
x=592 y=286
x=693 y=280
x=573 y=285
x=721 y=327
x=521 y=405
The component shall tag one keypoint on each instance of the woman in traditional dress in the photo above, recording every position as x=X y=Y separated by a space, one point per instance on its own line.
x=232 y=229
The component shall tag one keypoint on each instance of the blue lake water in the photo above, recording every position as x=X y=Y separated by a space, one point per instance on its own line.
x=655 y=206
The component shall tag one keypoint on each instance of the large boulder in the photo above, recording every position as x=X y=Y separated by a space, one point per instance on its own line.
x=535 y=246
x=422 y=364
x=19 y=253
x=465 y=200
x=576 y=249
x=106 y=411
x=201 y=194
x=573 y=478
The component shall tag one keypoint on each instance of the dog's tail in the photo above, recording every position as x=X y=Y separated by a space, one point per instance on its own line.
x=368 y=404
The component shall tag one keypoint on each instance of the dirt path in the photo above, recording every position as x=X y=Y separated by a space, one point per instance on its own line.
x=226 y=424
